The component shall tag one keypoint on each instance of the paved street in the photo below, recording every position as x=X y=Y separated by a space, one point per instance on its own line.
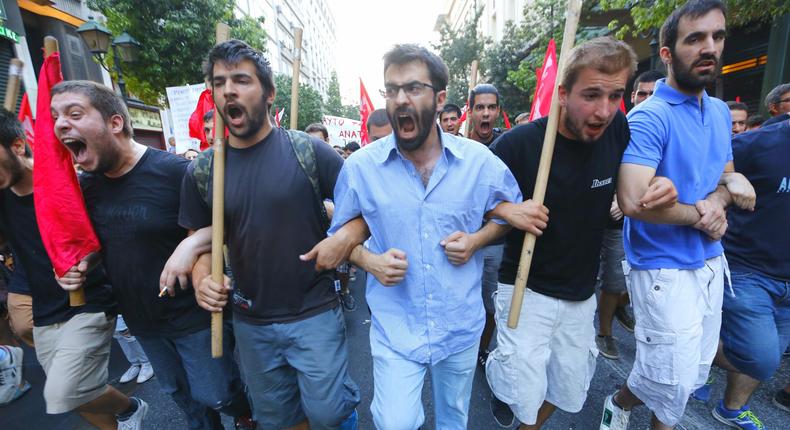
x=28 y=412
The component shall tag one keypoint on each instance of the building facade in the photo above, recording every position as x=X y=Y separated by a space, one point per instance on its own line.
x=494 y=18
x=316 y=19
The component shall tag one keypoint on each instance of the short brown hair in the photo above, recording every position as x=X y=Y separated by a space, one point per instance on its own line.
x=604 y=54
x=102 y=98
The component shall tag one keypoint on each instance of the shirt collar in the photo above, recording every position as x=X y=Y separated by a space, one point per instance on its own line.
x=451 y=145
x=672 y=96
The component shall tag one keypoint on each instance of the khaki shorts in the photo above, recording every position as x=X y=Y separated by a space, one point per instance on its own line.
x=549 y=357
x=74 y=355
x=20 y=316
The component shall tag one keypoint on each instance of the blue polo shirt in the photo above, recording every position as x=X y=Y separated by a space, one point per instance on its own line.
x=689 y=143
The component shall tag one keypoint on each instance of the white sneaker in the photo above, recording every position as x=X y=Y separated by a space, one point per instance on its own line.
x=130 y=374
x=614 y=417
x=12 y=386
x=135 y=422
x=146 y=373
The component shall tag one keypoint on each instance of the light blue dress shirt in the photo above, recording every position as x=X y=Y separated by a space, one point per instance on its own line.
x=437 y=310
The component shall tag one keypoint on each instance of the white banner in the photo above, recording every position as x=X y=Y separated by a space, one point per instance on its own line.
x=342 y=130
x=183 y=101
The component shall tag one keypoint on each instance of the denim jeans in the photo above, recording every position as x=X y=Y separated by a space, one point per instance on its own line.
x=492 y=259
x=397 y=390
x=298 y=371
x=755 y=327
x=129 y=345
x=200 y=385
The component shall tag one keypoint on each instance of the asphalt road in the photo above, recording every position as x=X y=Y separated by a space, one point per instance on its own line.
x=28 y=413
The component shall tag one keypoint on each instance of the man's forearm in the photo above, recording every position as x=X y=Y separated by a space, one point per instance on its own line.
x=360 y=257
x=490 y=232
x=202 y=268
x=678 y=214
x=352 y=234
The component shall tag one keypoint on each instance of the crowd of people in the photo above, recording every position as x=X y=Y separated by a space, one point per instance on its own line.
x=672 y=209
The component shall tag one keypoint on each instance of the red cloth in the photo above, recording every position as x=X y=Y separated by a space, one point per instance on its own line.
x=547 y=76
x=622 y=105
x=66 y=230
x=26 y=118
x=507 y=120
x=205 y=103
x=365 y=109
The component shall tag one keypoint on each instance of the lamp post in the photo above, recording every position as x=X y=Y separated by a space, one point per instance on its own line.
x=124 y=48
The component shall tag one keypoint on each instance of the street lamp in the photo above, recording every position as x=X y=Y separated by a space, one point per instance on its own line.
x=124 y=48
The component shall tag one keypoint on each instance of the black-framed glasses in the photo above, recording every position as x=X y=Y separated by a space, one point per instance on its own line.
x=412 y=89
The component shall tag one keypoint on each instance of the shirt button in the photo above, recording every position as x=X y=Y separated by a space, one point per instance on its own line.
x=433 y=324
x=425 y=235
x=427 y=267
x=430 y=296
x=648 y=339
x=657 y=288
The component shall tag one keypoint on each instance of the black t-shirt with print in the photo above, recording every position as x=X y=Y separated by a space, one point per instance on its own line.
x=579 y=194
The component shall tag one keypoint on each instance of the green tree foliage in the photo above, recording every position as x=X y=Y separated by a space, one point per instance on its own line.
x=175 y=35
x=311 y=105
x=458 y=48
x=334 y=104
x=650 y=14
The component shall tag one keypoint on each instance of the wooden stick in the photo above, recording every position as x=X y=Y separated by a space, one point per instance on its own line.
x=14 y=82
x=472 y=84
x=525 y=262
x=218 y=211
x=295 y=81
x=76 y=297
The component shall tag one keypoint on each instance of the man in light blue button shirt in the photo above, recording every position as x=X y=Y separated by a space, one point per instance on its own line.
x=423 y=195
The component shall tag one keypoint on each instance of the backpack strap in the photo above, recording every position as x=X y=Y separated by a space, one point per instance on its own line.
x=202 y=173
x=305 y=153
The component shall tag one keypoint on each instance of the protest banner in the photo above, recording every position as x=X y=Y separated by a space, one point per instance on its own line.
x=342 y=130
x=182 y=101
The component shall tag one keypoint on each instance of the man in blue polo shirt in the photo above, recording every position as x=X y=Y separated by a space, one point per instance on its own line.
x=424 y=195
x=674 y=262
x=755 y=326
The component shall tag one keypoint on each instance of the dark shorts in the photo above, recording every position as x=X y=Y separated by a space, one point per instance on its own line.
x=755 y=326
x=297 y=371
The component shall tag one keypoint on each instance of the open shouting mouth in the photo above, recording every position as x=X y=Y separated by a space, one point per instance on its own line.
x=78 y=148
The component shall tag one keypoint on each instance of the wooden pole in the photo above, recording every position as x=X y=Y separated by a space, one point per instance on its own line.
x=76 y=297
x=14 y=82
x=218 y=211
x=472 y=84
x=295 y=81
x=525 y=262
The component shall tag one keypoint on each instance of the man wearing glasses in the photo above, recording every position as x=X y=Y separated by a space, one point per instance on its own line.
x=424 y=195
x=778 y=104
x=644 y=85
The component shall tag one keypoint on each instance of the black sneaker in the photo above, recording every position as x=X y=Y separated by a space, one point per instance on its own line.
x=482 y=357
x=502 y=413
x=244 y=423
x=625 y=317
x=782 y=400
x=348 y=301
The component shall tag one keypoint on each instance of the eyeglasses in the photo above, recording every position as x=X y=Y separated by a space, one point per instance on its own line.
x=412 y=89
x=787 y=100
x=644 y=93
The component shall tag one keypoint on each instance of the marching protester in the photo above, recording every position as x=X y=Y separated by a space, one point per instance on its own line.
x=450 y=119
x=552 y=353
x=738 y=112
x=613 y=300
x=318 y=131
x=140 y=369
x=755 y=327
x=777 y=103
x=674 y=260
x=753 y=122
x=483 y=113
x=378 y=125
x=290 y=332
x=424 y=195
x=132 y=196
x=63 y=335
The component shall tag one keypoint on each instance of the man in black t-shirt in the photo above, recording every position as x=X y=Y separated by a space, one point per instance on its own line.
x=552 y=352
x=132 y=196
x=291 y=334
x=72 y=343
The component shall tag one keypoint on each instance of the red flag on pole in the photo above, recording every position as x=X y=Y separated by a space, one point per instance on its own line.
x=278 y=116
x=547 y=75
x=365 y=109
x=205 y=103
x=26 y=118
x=66 y=230
x=622 y=105
x=506 y=119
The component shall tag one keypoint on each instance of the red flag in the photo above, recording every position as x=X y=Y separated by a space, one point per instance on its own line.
x=205 y=103
x=278 y=116
x=622 y=105
x=26 y=118
x=547 y=75
x=66 y=230
x=507 y=120
x=365 y=109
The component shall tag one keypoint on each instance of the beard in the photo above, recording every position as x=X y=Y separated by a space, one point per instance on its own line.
x=690 y=81
x=256 y=116
x=424 y=120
